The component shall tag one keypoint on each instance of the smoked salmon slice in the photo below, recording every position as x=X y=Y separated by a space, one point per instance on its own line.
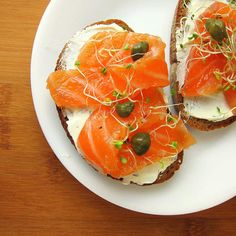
x=104 y=130
x=165 y=142
x=211 y=66
x=105 y=65
x=201 y=76
x=219 y=10
x=112 y=50
x=70 y=89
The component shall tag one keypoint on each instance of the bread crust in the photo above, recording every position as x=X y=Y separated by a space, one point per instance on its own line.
x=200 y=124
x=169 y=172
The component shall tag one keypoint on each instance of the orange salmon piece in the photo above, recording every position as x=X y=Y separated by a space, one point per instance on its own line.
x=150 y=70
x=165 y=142
x=213 y=11
x=101 y=48
x=232 y=18
x=102 y=129
x=147 y=102
x=200 y=79
x=97 y=137
x=68 y=88
x=112 y=50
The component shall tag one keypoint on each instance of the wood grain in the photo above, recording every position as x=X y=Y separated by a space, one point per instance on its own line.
x=38 y=196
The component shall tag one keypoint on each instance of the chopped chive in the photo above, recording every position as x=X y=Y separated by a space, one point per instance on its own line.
x=117 y=94
x=126 y=47
x=169 y=119
x=148 y=100
x=218 y=109
x=227 y=88
x=77 y=63
x=173 y=92
x=174 y=144
x=162 y=164
x=104 y=70
x=123 y=160
x=217 y=75
x=192 y=16
x=130 y=127
x=193 y=36
x=118 y=144
x=181 y=46
x=128 y=66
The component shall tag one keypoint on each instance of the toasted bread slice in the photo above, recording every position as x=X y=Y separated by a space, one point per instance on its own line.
x=163 y=176
x=198 y=123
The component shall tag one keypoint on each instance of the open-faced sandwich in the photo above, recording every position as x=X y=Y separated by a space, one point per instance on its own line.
x=203 y=59
x=108 y=90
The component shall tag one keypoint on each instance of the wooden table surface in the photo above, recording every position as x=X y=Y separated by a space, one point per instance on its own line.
x=38 y=196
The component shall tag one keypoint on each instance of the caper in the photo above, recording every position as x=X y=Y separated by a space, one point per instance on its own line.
x=216 y=28
x=138 y=50
x=124 y=109
x=140 y=143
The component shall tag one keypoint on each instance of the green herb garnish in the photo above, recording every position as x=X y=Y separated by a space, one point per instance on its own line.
x=169 y=119
x=130 y=127
x=174 y=144
x=217 y=75
x=162 y=164
x=193 y=36
x=104 y=70
x=77 y=63
x=117 y=94
x=148 y=100
x=173 y=92
x=123 y=160
x=128 y=66
x=118 y=144
x=232 y=2
x=227 y=88
x=126 y=47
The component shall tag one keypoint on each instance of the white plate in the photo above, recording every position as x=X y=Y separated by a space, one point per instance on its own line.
x=208 y=174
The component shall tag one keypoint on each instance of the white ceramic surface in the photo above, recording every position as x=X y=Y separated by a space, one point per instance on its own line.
x=207 y=177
